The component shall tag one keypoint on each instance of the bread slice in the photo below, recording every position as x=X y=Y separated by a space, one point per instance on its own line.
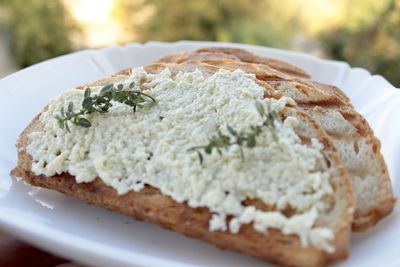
x=224 y=53
x=151 y=205
x=332 y=109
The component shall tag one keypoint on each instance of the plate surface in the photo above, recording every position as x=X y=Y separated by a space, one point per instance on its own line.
x=98 y=237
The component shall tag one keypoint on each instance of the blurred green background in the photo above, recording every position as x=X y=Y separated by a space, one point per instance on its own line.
x=365 y=33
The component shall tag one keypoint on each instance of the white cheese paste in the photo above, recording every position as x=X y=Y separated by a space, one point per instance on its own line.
x=128 y=150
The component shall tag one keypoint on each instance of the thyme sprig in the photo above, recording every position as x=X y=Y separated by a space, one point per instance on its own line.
x=222 y=141
x=101 y=103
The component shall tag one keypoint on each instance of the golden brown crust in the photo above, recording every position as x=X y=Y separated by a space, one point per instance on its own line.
x=308 y=92
x=150 y=205
x=371 y=217
x=364 y=218
x=248 y=57
x=310 y=96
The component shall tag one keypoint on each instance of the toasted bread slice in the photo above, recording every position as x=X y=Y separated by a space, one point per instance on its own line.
x=223 y=53
x=151 y=205
x=332 y=109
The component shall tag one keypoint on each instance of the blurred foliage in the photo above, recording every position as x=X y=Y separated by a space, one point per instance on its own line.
x=39 y=29
x=365 y=33
x=372 y=42
x=245 y=21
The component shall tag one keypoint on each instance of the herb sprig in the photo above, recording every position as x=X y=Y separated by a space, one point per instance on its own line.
x=222 y=141
x=101 y=103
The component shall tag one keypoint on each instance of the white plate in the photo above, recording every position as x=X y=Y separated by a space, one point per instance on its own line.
x=95 y=236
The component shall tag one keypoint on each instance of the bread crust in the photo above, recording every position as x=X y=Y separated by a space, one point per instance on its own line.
x=150 y=205
x=316 y=99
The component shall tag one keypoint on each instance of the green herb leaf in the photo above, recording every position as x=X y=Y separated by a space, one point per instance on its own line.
x=251 y=141
x=248 y=138
x=106 y=89
x=87 y=103
x=200 y=157
x=101 y=103
x=67 y=127
x=231 y=130
x=208 y=148
x=70 y=107
x=87 y=92
x=84 y=122
x=260 y=108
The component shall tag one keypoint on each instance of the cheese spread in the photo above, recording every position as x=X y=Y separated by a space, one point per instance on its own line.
x=128 y=150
